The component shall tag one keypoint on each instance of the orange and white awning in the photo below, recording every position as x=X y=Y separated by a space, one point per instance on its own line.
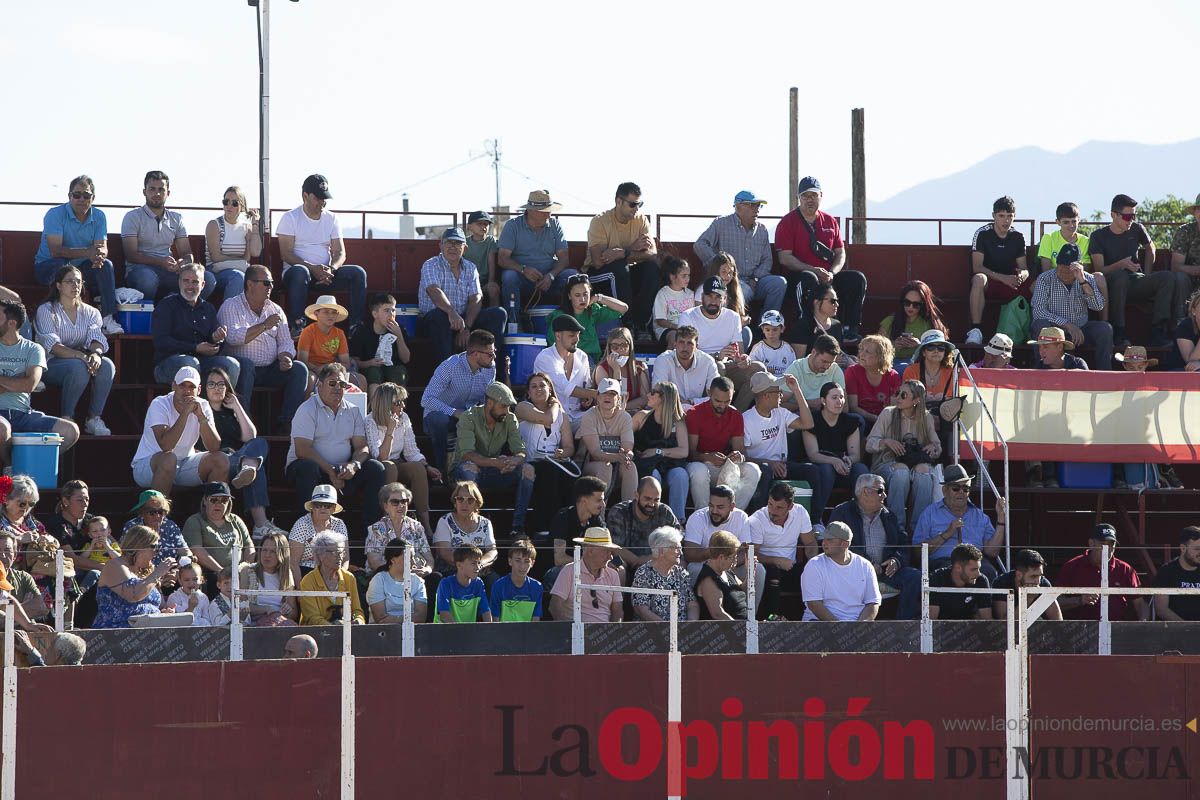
x=1088 y=416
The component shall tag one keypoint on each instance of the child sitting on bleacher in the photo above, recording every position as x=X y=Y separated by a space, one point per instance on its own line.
x=323 y=342
x=481 y=251
x=220 y=610
x=672 y=300
x=461 y=597
x=775 y=354
x=378 y=345
x=188 y=596
x=101 y=547
x=516 y=597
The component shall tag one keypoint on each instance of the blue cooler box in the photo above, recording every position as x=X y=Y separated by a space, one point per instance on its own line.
x=135 y=317
x=406 y=318
x=538 y=316
x=1084 y=475
x=522 y=350
x=36 y=455
x=648 y=360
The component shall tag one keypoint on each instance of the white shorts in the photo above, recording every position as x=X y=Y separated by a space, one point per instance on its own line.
x=187 y=471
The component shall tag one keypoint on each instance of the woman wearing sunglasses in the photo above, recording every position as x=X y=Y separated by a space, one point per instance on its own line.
x=918 y=312
x=933 y=366
x=247 y=451
x=904 y=446
x=590 y=310
x=232 y=240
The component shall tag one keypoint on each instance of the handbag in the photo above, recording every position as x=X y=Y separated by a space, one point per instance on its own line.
x=1015 y=319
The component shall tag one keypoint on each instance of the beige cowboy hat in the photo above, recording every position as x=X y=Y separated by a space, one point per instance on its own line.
x=1053 y=336
x=597 y=537
x=1135 y=354
x=326 y=301
x=539 y=200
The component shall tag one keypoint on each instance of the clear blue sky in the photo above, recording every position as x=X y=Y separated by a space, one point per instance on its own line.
x=687 y=99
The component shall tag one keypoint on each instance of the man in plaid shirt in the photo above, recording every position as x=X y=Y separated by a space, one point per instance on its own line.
x=1062 y=298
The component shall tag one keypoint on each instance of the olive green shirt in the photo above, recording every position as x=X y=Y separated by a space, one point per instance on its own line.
x=216 y=539
x=475 y=437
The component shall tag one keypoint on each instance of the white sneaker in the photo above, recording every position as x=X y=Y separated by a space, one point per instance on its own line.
x=112 y=327
x=96 y=427
x=245 y=477
x=974 y=336
x=384 y=351
x=262 y=530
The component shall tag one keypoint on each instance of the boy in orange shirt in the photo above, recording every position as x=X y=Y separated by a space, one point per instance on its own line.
x=323 y=342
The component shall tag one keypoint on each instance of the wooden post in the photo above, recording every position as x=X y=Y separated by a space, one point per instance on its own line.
x=858 y=177
x=793 y=147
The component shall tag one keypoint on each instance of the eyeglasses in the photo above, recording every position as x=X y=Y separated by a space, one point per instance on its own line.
x=879 y=490
x=633 y=203
x=23 y=503
x=833 y=300
x=397 y=501
x=595 y=599
x=263 y=281
x=72 y=281
x=939 y=348
x=958 y=487
x=217 y=385
x=153 y=512
x=910 y=304
x=338 y=384
x=1128 y=217
x=82 y=195
x=231 y=203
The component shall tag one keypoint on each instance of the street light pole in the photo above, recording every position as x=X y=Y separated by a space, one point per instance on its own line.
x=262 y=9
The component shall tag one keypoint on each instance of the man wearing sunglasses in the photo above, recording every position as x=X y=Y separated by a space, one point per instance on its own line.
x=532 y=251
x=879 y=538
x=955 y=520
x=256 y=334
x=76 y=233
x=1114 y=251
x=619 y=242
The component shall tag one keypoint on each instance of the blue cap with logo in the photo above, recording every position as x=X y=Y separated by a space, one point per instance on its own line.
x=453 y=235
x=747 y=196
x=809 y=184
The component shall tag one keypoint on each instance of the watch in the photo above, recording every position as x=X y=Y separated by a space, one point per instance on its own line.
x=658 y=451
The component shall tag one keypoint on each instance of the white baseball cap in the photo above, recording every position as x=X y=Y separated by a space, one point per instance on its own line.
x=608 y=385
x=188 y=375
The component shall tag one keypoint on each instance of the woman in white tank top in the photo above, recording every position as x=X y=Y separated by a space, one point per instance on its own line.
x=232 y=240
x=546 y=431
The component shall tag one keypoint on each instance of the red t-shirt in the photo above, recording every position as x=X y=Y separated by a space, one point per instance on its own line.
x=1079 y=571
x=714 y=430
x=792 y=234
x=872 y=399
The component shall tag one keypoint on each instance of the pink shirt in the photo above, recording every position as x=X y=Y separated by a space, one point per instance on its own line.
x=601 y=610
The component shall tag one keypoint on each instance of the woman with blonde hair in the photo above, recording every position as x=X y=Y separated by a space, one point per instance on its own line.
x=620 y=362
x=129 y=583
x=231 y=241
x=273 y=570
x=550 y=446
x=660 y=444
x=872 y=383
x=390 y=438
x=723 y=266
x=905 y=447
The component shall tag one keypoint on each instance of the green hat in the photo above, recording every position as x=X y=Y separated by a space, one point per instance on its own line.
x=500 y=393
x=144 y=497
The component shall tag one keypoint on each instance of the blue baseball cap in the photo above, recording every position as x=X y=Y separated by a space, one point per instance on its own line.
x=809 y=184
x=747 y=196
x=453 y=235
x=476 y=216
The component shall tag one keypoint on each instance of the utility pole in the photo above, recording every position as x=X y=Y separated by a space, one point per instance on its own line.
x=793 y=148
x=495 y=153
x=858 y=177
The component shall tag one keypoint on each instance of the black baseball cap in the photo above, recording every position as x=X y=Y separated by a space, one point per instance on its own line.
x=1069 y=254
x=1103 y=532
x=216 y=489
x=714 y=285
x=316 y=184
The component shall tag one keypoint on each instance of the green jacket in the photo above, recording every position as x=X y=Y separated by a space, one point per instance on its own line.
x=592 y=316
x=475 y=437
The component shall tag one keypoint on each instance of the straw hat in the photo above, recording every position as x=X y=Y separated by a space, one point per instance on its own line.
x=326 y=301
x=324 y=493
x=1053 y=336
x=597 y=537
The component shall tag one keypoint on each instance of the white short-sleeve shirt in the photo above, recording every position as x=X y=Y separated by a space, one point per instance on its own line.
x=780 y=540
x=162 y=412
x=313 y=236
x=766 y=437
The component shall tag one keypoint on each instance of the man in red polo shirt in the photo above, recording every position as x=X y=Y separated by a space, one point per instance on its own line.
x=716 y=445
x=1084 y=570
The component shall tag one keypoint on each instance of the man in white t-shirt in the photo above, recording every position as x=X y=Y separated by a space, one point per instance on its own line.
x=766 y=427
x=838 y=585
x=311 y=246
x=689 y=368
x=721 y=515
x=568 y=368
x=174 y=424
x=781 y=528
x=720 y=330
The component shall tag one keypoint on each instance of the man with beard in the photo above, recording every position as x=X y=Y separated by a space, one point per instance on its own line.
x=716 y=437
x=186 y=332
x=491 y=451
x=720 y=515
x=149 y=234
x=632 y=521
x=1181 y=573
x=1029 y=569
x=720 y=331
x=781 y=528
x=962 y=573
x=569 y=369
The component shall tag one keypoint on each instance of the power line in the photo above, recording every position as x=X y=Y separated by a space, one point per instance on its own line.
x=584 y=200
x=423 y=180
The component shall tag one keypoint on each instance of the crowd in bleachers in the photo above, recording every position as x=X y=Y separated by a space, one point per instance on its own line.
x=767 y=396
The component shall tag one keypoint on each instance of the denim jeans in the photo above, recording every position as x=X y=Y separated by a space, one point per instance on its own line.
x=677 y=484
x=254 y=495
x=231 y=281
x=900 y=482
x=492 y=478
x=348 y=277
x=908 y=581
x=155 y=282
x=304 y=474
x=831 y=479
x=72 y=375
x=294 y=382
x=102 y=282
x=770 y=290
x=437 y=327
x=164 y=371
x=514 y=286
x=438 y=425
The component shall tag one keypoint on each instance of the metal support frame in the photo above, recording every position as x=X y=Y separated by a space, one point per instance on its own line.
x=59 y=599
x=8 y=732
x=985 y=476
x=751 y=602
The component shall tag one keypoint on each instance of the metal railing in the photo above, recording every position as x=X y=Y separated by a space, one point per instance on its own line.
x=962 y=368
x=941 y=221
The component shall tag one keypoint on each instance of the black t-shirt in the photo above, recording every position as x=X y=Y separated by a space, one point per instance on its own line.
x=1186 y=330
x=956 y=605
x=364 y=344
x=1116 y=246
x=832 y=440
x=1009 y=581
x=733 y=600
x=1173 y=575
x=807 y=331
x=999 y=255
x=66 y=533
x=566 y=525
x=226 y=424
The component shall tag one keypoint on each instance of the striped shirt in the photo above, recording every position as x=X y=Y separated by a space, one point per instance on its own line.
x=1061 y=304
x=237 y=317
x=54 y=326
x=454 y=387
x=751 y=249
x=459 y=291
